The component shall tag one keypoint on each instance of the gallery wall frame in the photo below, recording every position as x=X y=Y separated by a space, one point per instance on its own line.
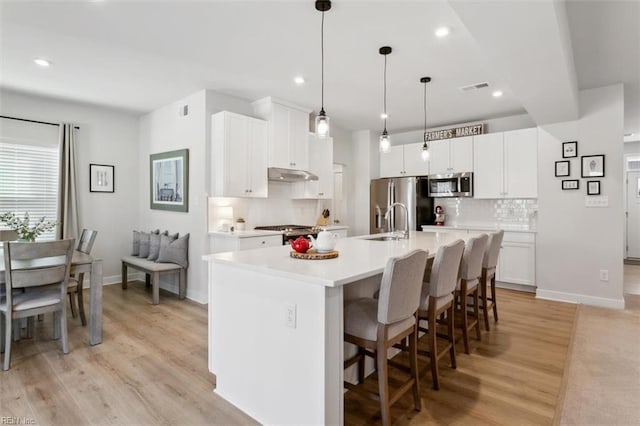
x=169 y=181
x=592 y=166
x=101 y=178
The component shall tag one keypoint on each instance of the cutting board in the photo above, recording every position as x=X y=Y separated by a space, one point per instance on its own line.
x=314 y=255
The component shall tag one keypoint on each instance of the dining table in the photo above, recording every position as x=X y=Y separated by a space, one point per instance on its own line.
x=83 y=263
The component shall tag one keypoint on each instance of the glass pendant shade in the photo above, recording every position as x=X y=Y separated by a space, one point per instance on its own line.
x=322 y=125
x=385 y=142
x=425 y=152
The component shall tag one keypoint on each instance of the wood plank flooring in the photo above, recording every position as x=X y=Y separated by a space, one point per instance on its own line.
x=152 y=369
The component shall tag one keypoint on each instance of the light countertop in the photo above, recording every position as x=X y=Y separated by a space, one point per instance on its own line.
x=245 y=234
x=359 y=258
x=482 y=227
x=334 y=227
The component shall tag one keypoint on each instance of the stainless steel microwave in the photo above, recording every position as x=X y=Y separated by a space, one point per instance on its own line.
x=451 y=185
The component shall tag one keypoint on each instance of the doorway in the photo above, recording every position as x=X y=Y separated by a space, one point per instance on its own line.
x=632 y=213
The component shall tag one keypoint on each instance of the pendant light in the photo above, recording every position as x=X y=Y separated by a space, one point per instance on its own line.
x=425 y=147
x=322 y=120
x=385 y=141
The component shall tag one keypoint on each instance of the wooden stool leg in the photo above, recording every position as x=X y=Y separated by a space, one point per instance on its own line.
x=156 y=287
x=433 y=344
x=476 y=309
x=483 y=295
x=124 y=276
x=452 y=338
x=413 y=363
x=493 y=298
x=383 y=382
x=465 y=320
x=361 y=363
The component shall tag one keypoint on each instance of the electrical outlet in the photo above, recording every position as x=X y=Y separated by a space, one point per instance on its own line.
x=290 y=316
x=604 y=275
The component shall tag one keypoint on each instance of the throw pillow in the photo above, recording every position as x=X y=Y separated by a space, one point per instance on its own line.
x=175 y=251
x=136 y=243
x=144 y=244
x=154 y=245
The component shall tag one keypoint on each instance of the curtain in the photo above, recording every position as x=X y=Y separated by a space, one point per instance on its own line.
x=67 y=194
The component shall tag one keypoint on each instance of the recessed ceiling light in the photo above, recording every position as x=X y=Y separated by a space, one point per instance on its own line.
x=299 y=80
x=383 y=115
x=497 y=93
x=442 y=32
x=42 y=63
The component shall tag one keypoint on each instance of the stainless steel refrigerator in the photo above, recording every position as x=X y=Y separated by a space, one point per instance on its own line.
x=410 y=191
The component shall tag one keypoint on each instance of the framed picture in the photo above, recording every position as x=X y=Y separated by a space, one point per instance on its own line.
x=563 y=168
x=170 y=180
x=592 y=166
x=570 y=184
x=101 y=178
x=570 y=149
x=593 y=187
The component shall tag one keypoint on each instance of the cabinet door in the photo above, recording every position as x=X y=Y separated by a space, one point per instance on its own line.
x=516 y=263
x=236 y=167
x=257 y=158
x=259 y=242
x=414 y=165
x=392 y=162
x=279 y=137
x=521 y=163
x=298 y=143
x=488 y=166
x=461 y=154
x=439 y=157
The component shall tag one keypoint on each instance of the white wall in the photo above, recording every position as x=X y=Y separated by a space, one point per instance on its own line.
x=165 y=130
x=632 y=148
x=574 y=242
x=365 y=168
x=106 y=136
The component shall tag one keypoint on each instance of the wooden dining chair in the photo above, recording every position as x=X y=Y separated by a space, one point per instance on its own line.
x=436 y=299
x=377 y=325
x=75 y=289
x=488 y=277
x=468 y=285
x=42 y=269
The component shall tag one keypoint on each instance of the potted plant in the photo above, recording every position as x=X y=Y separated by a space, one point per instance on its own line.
x=240 y=224
x=26 y=231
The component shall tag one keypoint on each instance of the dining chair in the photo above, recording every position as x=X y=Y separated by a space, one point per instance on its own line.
x=75 y=289
x=468 y=284
x=488 y=277
x=377 y=325
x=437 y=298
x=42 y=269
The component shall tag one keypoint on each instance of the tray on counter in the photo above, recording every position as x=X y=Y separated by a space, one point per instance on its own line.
x=312 y=254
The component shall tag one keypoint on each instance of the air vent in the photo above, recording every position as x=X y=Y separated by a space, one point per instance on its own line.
x=475 y=86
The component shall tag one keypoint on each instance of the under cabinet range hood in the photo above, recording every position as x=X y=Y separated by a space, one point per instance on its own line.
x=290 y=175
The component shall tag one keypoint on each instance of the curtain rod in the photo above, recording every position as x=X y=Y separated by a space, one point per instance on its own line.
x=33 y=121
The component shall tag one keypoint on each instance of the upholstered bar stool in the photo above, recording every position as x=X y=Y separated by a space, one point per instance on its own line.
x=489 y=263
x=470 y=272
x=376 y=325
x=437 y=298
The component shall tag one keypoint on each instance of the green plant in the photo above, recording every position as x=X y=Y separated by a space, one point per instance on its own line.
x=23 y=226
x=240 y=220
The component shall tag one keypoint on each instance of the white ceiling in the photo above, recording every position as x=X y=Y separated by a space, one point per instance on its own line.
x=143 y=55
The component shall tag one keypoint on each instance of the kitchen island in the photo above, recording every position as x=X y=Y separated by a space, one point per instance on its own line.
x=276 y=324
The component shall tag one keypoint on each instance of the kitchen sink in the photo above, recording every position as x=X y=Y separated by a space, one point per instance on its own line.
x=385 y=238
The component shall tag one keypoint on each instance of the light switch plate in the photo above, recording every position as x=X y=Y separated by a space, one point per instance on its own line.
x=596 y=201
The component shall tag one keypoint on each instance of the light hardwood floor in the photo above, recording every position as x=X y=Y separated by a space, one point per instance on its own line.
x=152 y=369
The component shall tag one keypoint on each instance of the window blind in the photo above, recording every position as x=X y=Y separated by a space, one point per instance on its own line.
x=29 y=181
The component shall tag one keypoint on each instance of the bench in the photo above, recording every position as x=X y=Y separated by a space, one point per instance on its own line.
x=152 y=272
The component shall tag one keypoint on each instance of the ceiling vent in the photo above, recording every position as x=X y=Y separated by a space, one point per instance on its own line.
x=474 y=86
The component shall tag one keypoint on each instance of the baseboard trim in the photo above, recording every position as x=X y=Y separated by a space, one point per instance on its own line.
x=518 y=287
x=579 y=298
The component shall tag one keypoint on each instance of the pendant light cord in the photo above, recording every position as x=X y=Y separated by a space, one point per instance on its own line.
x=385 y=93
x=322 y=62
x=425 y=113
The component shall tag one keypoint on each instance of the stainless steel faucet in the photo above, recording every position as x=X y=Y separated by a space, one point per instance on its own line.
x=405 y=233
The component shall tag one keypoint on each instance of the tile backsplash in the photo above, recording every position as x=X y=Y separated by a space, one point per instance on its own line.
x=473 y=211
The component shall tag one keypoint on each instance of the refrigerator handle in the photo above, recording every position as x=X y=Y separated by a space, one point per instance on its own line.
x=392 y=215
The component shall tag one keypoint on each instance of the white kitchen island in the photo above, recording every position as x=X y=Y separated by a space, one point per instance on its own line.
x=276 y=324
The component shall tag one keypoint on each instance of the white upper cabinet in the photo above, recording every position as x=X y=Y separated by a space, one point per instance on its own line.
x=238 y=156
x=451 y=156
x=320 y=164
x=506 y=164
x=403 y=160
x=288 y=130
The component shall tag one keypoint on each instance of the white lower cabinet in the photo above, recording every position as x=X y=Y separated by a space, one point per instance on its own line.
x=224 y=243
x=517 y=260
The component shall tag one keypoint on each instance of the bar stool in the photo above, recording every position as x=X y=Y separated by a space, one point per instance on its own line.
x=489 y=263
x=437 y=298
x=376 y=325
x=470 y=272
